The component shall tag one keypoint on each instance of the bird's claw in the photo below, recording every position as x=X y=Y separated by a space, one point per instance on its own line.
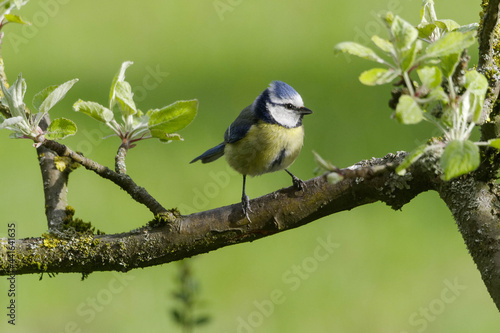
x=298 y=183
x=245 y=204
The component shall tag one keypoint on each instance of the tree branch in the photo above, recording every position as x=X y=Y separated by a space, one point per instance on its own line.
x=138 y=193
x=206 y=231
x=489 y=65
x=55 y=174
x=475 y=205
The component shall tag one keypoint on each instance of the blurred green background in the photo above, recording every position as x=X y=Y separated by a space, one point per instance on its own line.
x=392 y=271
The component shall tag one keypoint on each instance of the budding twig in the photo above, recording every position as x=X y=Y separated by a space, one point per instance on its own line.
x=138 y=193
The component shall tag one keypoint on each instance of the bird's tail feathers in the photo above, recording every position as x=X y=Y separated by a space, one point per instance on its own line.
x=211 y=155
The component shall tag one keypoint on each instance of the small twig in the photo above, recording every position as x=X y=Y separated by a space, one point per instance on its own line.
x=138 y=193
x=120 y=166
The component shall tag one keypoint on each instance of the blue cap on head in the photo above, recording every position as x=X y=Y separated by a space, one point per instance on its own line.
x=283 y=90
x=282 y=93
x=271 y=105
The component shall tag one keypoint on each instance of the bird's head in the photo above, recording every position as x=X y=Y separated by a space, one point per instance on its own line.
x=281 y=104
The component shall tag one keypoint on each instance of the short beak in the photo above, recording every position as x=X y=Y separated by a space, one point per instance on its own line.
x=303 y=111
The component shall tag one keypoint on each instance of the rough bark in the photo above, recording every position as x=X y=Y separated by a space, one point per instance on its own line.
x=55 y=175
x=120 y=166
x=475 y=205
x=489 y=65
x=55 y=187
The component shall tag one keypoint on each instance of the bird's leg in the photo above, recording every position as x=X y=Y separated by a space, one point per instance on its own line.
x=297 y=182
x=245 y=201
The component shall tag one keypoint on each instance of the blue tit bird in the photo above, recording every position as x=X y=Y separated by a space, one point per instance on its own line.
x=267 y=136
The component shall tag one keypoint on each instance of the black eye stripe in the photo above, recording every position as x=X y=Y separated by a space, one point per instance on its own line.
x=289 y=106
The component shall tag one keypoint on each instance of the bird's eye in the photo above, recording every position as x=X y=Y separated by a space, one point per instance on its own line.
x=289 y=106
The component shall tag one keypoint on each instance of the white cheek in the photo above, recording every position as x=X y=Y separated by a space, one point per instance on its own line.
x=283 y=116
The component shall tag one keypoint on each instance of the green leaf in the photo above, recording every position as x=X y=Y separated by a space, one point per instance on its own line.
x=358 y=50
x=472 y=105
x=95 y=110
x=459 y=158
x=16 y=19
x=468 y=27
x=407 y=111
x=38 y=100
x=20 y=121
x=427 y=13
x=119 y=77
x=10 y=122
x=377 y=76
x=16 y=124
x=171 y=118
x=124 y=97
x=13 y=97
x=438 y=94
x=452 y=42
x=56 y=95
x=448 y=116
x=425 y=30
x=408 y=56
x=410 y=159
x=383 y=44
x=430 y=76
x=16 y=135
x=495 y=143
x=41 y=96
x=404 y=33
x=449 y=63
x=388 y=18
x=447 y=25
x=167 y=138
x=476 y=83
x=19 y=3
x=60 y=128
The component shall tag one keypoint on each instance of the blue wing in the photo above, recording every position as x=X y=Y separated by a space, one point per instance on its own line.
x=239 y=128
x=235 y=132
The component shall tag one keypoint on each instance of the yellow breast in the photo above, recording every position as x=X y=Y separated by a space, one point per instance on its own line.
x=265 y=148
